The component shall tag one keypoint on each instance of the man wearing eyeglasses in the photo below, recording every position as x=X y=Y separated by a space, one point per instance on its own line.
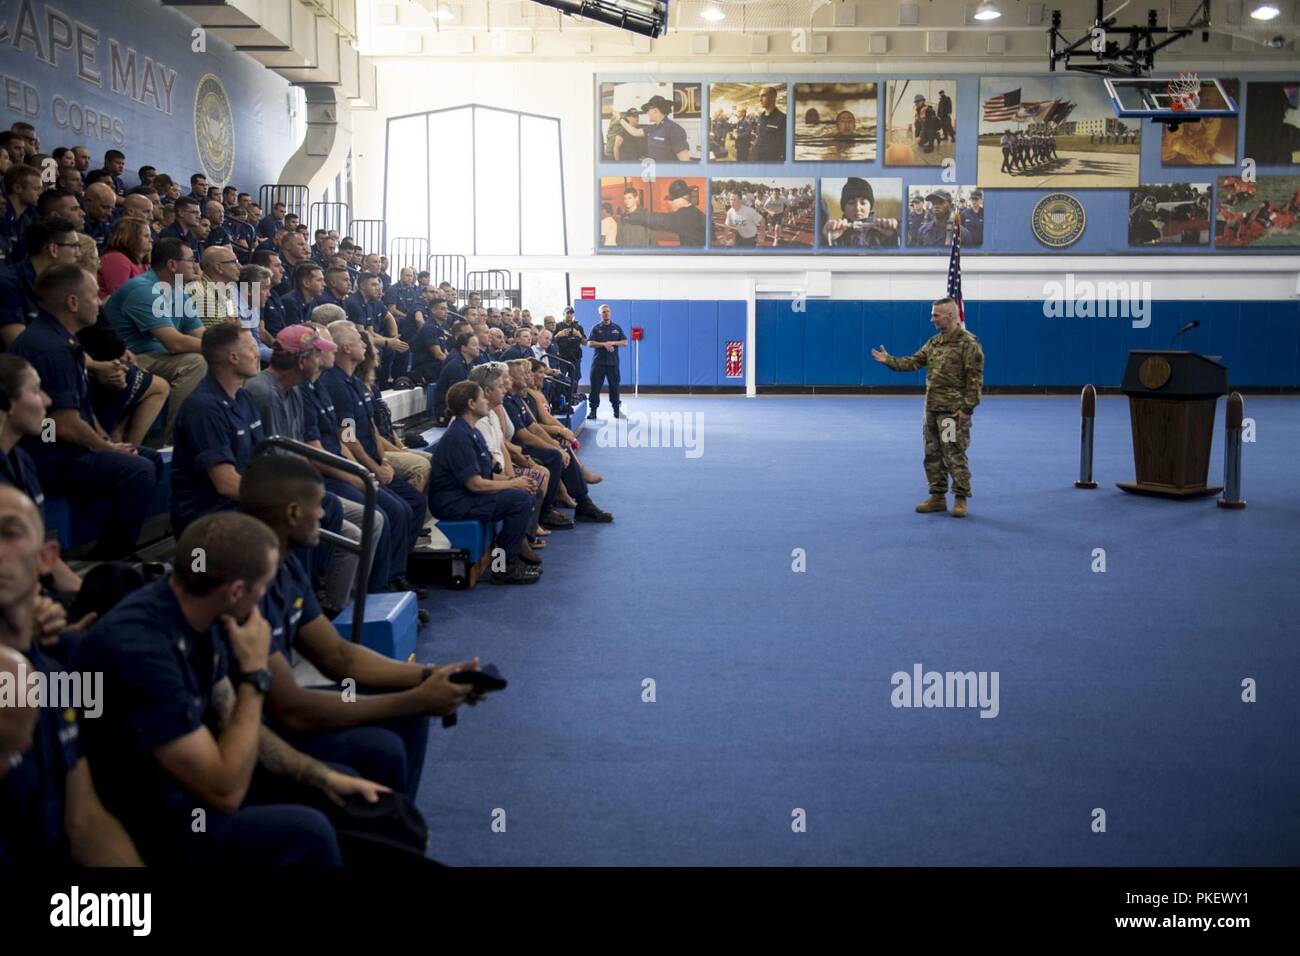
x=213 y=294
x=149 y=313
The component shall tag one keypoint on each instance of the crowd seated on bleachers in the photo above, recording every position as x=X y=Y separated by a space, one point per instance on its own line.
x=151 y=336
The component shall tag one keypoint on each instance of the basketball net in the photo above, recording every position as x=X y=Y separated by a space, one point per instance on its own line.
x=1184 y=92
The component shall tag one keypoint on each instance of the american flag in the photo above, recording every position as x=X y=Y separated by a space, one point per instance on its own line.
x=1000 y=108
x=1008 y=107
x=954 y=268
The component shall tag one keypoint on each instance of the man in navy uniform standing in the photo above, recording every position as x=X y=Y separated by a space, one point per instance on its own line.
x=605 y=340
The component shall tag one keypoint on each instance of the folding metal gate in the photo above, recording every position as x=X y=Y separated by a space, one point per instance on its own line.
x=296 y=199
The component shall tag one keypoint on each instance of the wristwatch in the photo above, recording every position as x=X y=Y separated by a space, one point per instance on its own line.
x=261 y=679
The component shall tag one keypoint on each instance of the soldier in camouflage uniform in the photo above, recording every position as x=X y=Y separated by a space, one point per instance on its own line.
x=954 y=375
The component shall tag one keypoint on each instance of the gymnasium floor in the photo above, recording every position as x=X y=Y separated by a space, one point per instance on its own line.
x=1118 y=690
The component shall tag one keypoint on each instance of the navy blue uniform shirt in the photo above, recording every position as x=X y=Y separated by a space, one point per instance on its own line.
x=33 y=795
x=158 y=679
x=19 y=471
x=453 y=371
x=369 y=315
x=317 y=403
x=601 y=332
x=289 y=603
x=460 y=454
x=58 y=358
x=211 y=429
x=174 y=232
x=351 y=403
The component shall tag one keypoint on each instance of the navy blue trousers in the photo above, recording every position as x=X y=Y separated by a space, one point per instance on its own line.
x=124 y=483
x=513 y=508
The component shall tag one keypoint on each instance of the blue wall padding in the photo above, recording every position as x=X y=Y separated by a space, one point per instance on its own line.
x=828 y=343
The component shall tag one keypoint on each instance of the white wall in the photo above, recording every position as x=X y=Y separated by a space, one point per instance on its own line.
x=567 y=90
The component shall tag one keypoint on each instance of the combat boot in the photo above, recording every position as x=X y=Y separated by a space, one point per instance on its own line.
x=958 y=507
x=933 y=503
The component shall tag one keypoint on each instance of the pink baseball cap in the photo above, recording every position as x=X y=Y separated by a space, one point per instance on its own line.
x=296 y=339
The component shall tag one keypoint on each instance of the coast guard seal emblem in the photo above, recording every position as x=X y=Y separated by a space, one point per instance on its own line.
x=1058 y=220
x=214 y=130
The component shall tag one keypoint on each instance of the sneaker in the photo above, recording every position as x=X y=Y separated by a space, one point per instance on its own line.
x=587 y=511
x=517 y=573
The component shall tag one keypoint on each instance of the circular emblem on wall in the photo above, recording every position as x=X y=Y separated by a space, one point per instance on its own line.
x=214 y=130
x=1058 y=220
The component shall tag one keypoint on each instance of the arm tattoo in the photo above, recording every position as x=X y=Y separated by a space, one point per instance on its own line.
x=223 y=702
x=277 y=757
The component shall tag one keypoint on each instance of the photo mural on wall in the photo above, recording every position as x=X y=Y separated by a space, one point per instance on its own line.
x=1054 y=133
x=920 y=129
x=636 y=213
x=1048 y=154
x=1263 y=214
x=762 y=213
x=835 y=122
x=1210 y=142
x=1273 y=122
x=1164 y=214
x=660 y=121
x=747 y=122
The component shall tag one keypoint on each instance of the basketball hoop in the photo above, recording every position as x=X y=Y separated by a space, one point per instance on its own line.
x=1184 y=92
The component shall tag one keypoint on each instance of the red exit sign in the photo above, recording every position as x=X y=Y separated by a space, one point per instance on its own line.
x=588 y=292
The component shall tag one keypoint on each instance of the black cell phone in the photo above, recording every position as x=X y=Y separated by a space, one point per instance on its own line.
x=487 y=679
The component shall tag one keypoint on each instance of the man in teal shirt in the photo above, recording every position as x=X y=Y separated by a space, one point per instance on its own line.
x=149 y=313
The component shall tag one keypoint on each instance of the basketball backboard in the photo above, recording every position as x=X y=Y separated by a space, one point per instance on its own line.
x=1149 y=98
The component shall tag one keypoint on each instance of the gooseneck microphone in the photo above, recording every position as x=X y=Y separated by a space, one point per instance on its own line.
x=1194 y=324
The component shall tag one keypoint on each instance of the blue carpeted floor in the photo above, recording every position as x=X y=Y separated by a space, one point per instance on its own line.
x=1118 y=690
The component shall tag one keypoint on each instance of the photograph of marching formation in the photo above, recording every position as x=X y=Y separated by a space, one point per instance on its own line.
x=835 y=122
x=1273 y=122
x=637 y=213
x=919 y=128
x=1211 y=141
x=1057 y=133
x=1264 y=214
x=859 y=213
x=659 y=121
x=1170 y=214
x=747 y=122
x=762 y=213
x=934 y=211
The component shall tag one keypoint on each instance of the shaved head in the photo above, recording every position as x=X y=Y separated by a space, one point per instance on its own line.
x=137 y=207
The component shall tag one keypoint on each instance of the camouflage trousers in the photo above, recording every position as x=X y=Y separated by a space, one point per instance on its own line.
x=946 y=441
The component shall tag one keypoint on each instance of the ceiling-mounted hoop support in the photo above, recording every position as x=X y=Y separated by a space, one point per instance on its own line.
x=1135 y=58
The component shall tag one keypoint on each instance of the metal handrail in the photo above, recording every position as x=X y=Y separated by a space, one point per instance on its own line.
x=362 y=550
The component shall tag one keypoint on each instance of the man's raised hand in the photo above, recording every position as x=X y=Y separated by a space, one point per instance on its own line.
x=879 y=354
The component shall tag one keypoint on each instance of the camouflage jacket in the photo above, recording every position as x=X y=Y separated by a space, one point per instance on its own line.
x=954 y=365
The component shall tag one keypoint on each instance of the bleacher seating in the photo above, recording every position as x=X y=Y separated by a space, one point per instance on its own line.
x=391 y=624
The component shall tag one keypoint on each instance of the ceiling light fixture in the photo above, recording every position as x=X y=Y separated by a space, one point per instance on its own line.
x=987 y=11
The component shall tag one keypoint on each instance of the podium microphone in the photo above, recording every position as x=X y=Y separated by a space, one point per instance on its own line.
x=1194 y=324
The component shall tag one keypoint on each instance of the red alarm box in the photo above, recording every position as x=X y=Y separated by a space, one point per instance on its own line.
x=638 y=333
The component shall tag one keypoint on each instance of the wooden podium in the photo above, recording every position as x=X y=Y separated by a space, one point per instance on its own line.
x=1171 y=397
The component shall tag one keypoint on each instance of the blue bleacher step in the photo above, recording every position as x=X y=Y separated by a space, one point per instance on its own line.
x=391 y=624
